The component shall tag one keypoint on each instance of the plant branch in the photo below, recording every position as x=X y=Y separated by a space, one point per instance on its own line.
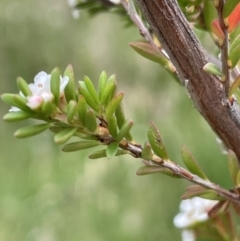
x=136 y=151
x=187 y=55
x=224 y=46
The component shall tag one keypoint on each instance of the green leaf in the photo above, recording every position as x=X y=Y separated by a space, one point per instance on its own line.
x=112 y=149
x=23 y=87
x=113 y=105
x=17 y=116
x=108 y=90
x=191 y=163
x=55 y=85
x=234 y=51
x=229 y=6
x=235 y=85
x=238 y=178
x=72 y=110
x=102 y=83
x=126 y=127
x=233 y=166
x=212 y=69
x=156 y=142
x=80 y=145
x=89 y=99
x=234 y=56
x=91 y=89
x=15 y=100
x=145 y=170
x=31 y=130
x=150 y=52
x=69 y=90
x=48 y=108
x=199 y=191
x=120 y=115
x=82 y=109
x=112 y=127
x=90 y=121
x=102 y=153
x=147 y=152
x=64 y=135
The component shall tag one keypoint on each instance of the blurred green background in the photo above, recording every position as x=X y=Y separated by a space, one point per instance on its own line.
x=48 y=195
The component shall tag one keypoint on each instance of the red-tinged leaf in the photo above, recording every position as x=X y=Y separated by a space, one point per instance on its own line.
x=216 y=29
x=229 y=7
x=234 y=18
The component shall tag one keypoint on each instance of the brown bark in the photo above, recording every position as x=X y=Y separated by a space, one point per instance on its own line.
x=188 y=56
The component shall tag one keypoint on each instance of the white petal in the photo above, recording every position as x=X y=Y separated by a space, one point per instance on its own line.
x=47 y=96
x=188 y=235
x=63 y=82
x=40 y=77
x=182 y=220
x=14 y=109
x=34 y=101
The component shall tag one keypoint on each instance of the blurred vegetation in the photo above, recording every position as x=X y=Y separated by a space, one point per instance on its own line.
x=48 y=195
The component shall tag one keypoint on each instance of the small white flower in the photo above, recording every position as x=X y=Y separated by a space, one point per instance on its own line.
x=192 y=211
x=41 y=90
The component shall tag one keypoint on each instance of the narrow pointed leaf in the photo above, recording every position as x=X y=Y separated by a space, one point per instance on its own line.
x=72 y=110
x=17 y=116
x=234 y=51
x=91 y=121
x=212 y=69
x=126 y=127
x=120 y=116
x=55 y=85
x=82 y=109
x=112 y=149
x=191 y=163
x=108 y=90
x=198 y=191
x=23 y=86
x=15 y=100
x=102 y=153
x=80 y=145
x=31 y=130
x=145 y=170
x=102 y=83
x=234 y=56
x=113 y=105
x=233 y=166
x=234 y=17
x=235 y=85
x=156 y=142
x=89 y=99
x=147 y=152
x=64 y=135
x=238 y=178
x=112 y=127
x=91 y=89
x=148 y=51
x=69 y=90
x=229 y=6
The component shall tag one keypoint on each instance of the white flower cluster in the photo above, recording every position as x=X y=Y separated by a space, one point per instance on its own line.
x=41 y=91
x=192 y=211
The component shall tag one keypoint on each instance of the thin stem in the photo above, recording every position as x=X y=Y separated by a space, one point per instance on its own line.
x=224 y=46
x=136 y=151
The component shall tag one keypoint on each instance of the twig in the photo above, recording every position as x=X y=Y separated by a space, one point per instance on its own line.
x=224 y=46
x=136 y=151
